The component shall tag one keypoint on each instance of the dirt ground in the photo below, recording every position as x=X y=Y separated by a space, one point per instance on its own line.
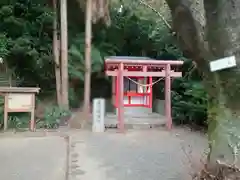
x=28 y=158
x=137 y=155
x=150 y=154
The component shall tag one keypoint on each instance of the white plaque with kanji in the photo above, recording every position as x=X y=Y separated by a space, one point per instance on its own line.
x=98 y=115
x=20 y=101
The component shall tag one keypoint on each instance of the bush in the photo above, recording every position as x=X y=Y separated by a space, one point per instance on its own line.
x=189 y=103
x=19 y=121
x=52 y=117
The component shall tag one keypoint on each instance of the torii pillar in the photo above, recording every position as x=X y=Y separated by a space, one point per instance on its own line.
x=168 y=112
x=120 y=98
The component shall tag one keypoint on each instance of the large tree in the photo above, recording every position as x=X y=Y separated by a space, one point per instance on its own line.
x=64 y=53
x=88 y=61
x=95 y=10
x=208 y=30
x=56 y=54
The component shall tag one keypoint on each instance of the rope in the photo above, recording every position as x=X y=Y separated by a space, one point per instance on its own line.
x=145 y=85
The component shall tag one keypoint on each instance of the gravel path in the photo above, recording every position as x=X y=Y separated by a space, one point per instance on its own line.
x=137 y=155
x=32 y=158
x=151 y=154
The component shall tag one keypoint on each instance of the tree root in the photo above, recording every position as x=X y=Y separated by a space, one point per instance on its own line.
x=221 y=171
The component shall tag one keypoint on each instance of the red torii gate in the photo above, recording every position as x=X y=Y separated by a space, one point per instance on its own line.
x=121 y=67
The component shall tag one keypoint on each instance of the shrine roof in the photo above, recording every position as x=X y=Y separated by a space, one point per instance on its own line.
x=129 y=58
x=19 y=90
x=139 y=60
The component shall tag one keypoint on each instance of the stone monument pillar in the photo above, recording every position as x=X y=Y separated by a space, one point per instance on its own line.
x=98 y=115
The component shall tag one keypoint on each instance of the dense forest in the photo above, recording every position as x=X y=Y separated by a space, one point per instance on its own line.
x=26 y=47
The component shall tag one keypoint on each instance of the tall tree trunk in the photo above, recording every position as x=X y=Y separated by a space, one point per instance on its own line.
x=88 y=37
x=56 y=55
x=223 y=35
x=64 y=53
x=208 y=30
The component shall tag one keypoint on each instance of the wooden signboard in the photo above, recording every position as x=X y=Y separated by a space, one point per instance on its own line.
x=20 y=102
x=18 y=99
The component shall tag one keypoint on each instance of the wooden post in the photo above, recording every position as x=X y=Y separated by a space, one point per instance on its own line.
x=88 y=39
x=117 y=89
x=64 y=53
x=5 y=125
x=32 y=120
x=120 y=99
x=151 y=92
x=113 y=91
x=168 y=96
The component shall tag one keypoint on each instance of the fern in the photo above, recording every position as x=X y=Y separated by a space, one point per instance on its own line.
x=76 y=59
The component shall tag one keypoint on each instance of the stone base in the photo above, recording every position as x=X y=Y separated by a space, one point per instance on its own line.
x=143 y=121
x=133 y=111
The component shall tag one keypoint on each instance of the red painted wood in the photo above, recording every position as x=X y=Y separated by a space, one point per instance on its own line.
x=130 y=95
x=120 y=99
x=151 y=93
x=113 y=91
x=135 y=105
x=140 y=74
x=144 y=68
x=136 y=94
x=117 y=89
x=135 y=77
x=141 y=68
x=135 y=67
x=168 y=97
x=134 y=62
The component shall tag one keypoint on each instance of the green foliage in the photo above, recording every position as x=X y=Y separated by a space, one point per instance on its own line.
x=189 y=103
x=3 y=46
x=189 y=98
x=20 y=121
x=77 y=60
x=52 y=117
x=25 y=40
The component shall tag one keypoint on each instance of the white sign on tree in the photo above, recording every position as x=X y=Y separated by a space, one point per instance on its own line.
x=223 y=63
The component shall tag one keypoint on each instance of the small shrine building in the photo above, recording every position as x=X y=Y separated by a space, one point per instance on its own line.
x=132 y=82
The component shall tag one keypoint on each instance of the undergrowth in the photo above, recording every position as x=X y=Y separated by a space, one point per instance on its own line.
x=51 y=118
